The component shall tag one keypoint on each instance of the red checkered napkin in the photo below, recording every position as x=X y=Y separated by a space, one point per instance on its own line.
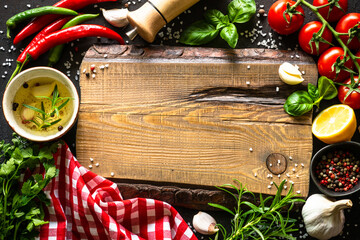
x=87 y=206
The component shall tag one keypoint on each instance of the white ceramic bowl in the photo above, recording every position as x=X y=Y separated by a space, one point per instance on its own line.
x=18 y=82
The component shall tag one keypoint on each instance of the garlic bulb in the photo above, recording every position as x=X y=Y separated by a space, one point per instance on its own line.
x=204 y=223
x=290 y=74
x=116 y=17
x=323 y=217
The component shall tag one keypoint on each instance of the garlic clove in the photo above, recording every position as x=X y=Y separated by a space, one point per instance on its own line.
x=205 y=224
x=43 y=90
x=323 y=217
x=116 y=17
x=290 y=74
x=28 y=114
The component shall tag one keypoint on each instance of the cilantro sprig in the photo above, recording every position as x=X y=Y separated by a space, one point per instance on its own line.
x=21 y=201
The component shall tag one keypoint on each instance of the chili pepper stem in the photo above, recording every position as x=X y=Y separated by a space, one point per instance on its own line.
x=8 y=32
x=19 y=67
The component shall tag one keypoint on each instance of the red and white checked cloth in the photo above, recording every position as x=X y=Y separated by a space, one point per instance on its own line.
x=87 y=206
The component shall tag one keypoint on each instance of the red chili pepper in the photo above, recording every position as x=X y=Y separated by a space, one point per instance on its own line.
x=38 y=23
x=21 y=60
x=70 y=34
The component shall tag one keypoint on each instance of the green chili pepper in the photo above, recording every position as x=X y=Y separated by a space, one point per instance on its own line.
x=55 y=53
x=12 y=22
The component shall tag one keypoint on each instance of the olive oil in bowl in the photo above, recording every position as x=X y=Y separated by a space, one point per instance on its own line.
x=43 y=105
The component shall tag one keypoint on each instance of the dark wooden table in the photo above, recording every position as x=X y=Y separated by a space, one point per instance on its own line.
x=73 y=54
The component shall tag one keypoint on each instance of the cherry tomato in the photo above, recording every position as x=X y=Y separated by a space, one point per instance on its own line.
x=335 y=13
x=353 y=100
x=347 y=22
x=279 y=24
x=306 y=34
x=326 y=61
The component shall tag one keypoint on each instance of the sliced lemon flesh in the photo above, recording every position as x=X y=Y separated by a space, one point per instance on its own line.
x=335 y=124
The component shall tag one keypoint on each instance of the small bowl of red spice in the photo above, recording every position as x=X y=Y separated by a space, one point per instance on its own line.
x=335 y=169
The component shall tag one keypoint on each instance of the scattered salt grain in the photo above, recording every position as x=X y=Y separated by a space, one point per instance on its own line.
x=302 y=165
x=112 y=174
x=269 y=186
x=106 y=65
x=250 y=149
x=105 y=56
x=285 y=187
x=93 y=76
x=97 y=164
x=279 y=175
x=288 y=175
x=90 y=166
x=247 y=83
x=248 y=66
x=298 y=192
x=270 y=164
x=255 y=175
x=91 y=159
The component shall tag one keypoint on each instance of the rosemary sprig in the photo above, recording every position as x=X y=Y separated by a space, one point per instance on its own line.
x=269 y=220
x=43 y=119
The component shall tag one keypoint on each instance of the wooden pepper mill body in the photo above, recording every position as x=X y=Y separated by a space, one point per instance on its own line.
x=154 y=14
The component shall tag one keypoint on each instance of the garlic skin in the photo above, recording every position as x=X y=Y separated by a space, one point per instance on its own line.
x=204 y=223
x=290 y=74
x=116 y=17
x=323 y=217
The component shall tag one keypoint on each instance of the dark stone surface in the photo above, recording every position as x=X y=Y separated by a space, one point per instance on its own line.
x=72 y=56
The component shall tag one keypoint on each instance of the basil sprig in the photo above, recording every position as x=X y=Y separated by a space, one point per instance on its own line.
x=301 y=102
x=215 y=22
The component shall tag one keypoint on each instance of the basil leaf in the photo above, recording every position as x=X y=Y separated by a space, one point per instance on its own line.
x=198 y=33
x=241 y=11
x=327 y=88
x=298 y=103
x=313 y=91
x=214 y=17
x=230 y=35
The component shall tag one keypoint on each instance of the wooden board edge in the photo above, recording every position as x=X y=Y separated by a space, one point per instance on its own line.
x=191 y=198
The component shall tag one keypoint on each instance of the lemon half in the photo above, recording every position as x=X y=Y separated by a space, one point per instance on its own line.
x=335 y=124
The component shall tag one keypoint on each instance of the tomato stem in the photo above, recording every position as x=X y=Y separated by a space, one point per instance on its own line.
x=335 y=33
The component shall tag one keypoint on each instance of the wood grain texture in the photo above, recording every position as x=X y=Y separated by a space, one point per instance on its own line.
x=193 y=116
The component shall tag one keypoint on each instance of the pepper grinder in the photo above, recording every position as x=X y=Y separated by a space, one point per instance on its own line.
x=153 y=15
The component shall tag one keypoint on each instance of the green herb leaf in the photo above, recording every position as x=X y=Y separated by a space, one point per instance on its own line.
x=199 y=33
x=313 y=91
x=241 y=11
x=298 y=103
x=35 y=109
x=214 y=17
x=327 y=88
x=230 y=35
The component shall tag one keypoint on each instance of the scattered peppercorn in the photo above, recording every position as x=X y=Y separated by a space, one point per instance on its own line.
x=261 y=12
x=25 y=85
x=15 y=106
x=338 y=171
x=87 y=75
x=60 y=128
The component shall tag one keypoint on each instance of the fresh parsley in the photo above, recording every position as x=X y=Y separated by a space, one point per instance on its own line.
x=270 y=219
x=21 y=201
x=215 y=22
x=301 y=102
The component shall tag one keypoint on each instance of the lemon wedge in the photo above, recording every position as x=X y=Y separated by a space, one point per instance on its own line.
x=335 y=124
x=290 y=74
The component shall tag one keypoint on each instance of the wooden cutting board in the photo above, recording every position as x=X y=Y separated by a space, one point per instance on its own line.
x=197 y=116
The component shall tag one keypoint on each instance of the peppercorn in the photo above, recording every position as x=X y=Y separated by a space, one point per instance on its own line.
x=60 y=128
x=15 y=106
x=338 y=171
x=25 y=85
